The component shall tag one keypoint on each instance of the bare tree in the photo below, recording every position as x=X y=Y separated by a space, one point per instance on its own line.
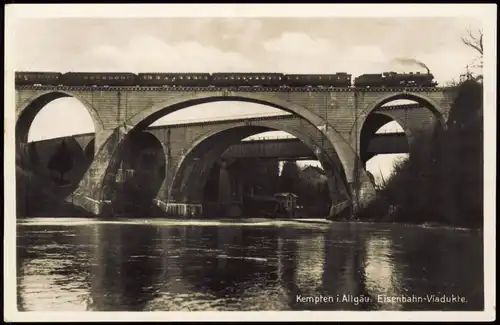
x=475 y=42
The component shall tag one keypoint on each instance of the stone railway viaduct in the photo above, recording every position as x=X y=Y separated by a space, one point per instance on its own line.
x=337 y=125
x=153 y=140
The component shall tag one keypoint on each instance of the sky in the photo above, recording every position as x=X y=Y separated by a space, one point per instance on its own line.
x=287 y=45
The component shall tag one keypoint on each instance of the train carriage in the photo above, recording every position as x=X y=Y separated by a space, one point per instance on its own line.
x=37 y=78
x=235 y=79
x=99 y=79
x=175 y=79
x=341 y=79
x=247 y=79
x=298 y=80
x=369 y=80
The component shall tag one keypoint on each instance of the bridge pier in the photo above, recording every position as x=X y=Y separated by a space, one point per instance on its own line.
x=362 y=191
x=93 y=192
x=168 y=200
x=93 y=206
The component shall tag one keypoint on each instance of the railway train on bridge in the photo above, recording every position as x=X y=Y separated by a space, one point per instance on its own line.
x=337 y=80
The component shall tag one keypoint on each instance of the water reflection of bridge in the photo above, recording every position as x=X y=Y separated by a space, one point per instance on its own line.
x=234 y=267
x=229 y=269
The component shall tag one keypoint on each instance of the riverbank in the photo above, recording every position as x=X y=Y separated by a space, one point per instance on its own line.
x=250 y=222
x=160 y=222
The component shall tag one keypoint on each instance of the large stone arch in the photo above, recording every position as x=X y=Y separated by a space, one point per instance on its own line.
x=192 y=170
x=374 y=122
x=26 y=112
x=200 y=157
x=157 y=110
x=144 y=138
x=29 y=109
x=142 y=172
x=89 y=192
x=425 y=101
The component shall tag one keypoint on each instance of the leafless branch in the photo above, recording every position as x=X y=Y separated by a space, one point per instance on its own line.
x=474 y=41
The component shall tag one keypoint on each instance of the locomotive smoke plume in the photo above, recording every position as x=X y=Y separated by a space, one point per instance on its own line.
x=409 y=61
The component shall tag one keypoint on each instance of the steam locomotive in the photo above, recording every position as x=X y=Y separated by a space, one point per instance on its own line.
x=394 y=79
x=340 y=80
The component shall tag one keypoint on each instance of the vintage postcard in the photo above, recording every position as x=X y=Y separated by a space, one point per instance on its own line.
x=260 y=159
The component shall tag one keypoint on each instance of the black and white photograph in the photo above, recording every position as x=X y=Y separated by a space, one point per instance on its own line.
x=337 y=159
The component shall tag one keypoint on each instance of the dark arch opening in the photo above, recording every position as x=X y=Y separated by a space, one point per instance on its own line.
x=142 y=169
x=373 y=143
x=49 y=170
x=58 y=161
x=437 y=120
x=65 y=163
x=197 y=180
x=29 y=112
x=57 y=166
x=417 y=117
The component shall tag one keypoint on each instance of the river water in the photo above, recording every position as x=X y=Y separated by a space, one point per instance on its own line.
x=168 y=265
